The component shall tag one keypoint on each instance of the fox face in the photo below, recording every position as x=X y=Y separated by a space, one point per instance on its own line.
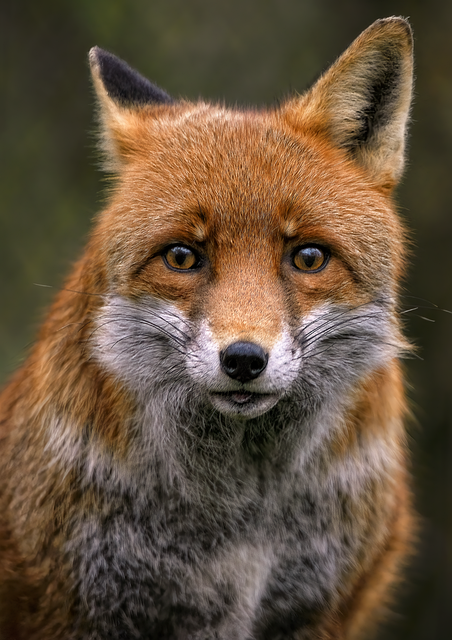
x=264 y=267
x=214 y=407
x=245 y=293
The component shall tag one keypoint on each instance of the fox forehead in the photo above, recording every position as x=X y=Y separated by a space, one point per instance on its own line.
x=239 y=180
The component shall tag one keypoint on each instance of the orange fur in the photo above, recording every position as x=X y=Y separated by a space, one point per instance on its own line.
x=243 y=189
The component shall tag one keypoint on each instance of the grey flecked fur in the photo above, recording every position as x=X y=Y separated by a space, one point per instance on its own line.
x=217 y=527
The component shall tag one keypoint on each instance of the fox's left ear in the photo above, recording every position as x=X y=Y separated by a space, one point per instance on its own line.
x=362 y=101
x=124 y=97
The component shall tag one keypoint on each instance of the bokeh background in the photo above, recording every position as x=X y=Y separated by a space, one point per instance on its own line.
x=244 y=51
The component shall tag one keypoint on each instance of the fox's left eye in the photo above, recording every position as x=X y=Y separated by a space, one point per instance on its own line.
x=181 y=258
x=310 y=258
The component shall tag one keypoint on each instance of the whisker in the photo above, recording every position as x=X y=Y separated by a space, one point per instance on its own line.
x=84 y=293
x=406 y=353
x=150 y=311
x=130 y=354
x=333 y=316
x=73 y=324
x=431 y=305
x=146 y=322
x=408 y=310
x=159 y=329
x=327 y=328
x=339 y=313
x=124 y=300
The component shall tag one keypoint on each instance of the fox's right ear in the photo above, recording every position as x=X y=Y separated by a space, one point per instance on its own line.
x=124 y=96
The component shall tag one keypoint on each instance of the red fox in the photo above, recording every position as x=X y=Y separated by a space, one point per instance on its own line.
x=207 y=440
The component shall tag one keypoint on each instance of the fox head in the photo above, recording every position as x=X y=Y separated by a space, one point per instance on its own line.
x=251 y=256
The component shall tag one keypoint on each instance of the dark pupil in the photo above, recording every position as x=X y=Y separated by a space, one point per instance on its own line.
x=180 y=255
x=310 y=255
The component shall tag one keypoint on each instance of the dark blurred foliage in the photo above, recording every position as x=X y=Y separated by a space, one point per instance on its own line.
x=245 y=51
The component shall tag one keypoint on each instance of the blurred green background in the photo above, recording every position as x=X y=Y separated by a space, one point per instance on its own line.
x=244 y=51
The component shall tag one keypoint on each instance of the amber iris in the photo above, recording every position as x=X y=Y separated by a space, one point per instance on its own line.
x=310 y=258
x=180 y=257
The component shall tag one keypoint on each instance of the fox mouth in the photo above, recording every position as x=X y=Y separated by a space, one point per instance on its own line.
x=244 y=403
x=241 y=397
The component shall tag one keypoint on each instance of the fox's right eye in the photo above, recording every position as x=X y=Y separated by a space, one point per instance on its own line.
x=181 y=258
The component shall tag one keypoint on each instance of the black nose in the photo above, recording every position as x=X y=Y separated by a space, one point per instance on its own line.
x=243 y=361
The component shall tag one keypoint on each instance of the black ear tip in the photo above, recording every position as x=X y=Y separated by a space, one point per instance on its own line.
x=107 y=64
x=104 y=59
x=123 y=84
